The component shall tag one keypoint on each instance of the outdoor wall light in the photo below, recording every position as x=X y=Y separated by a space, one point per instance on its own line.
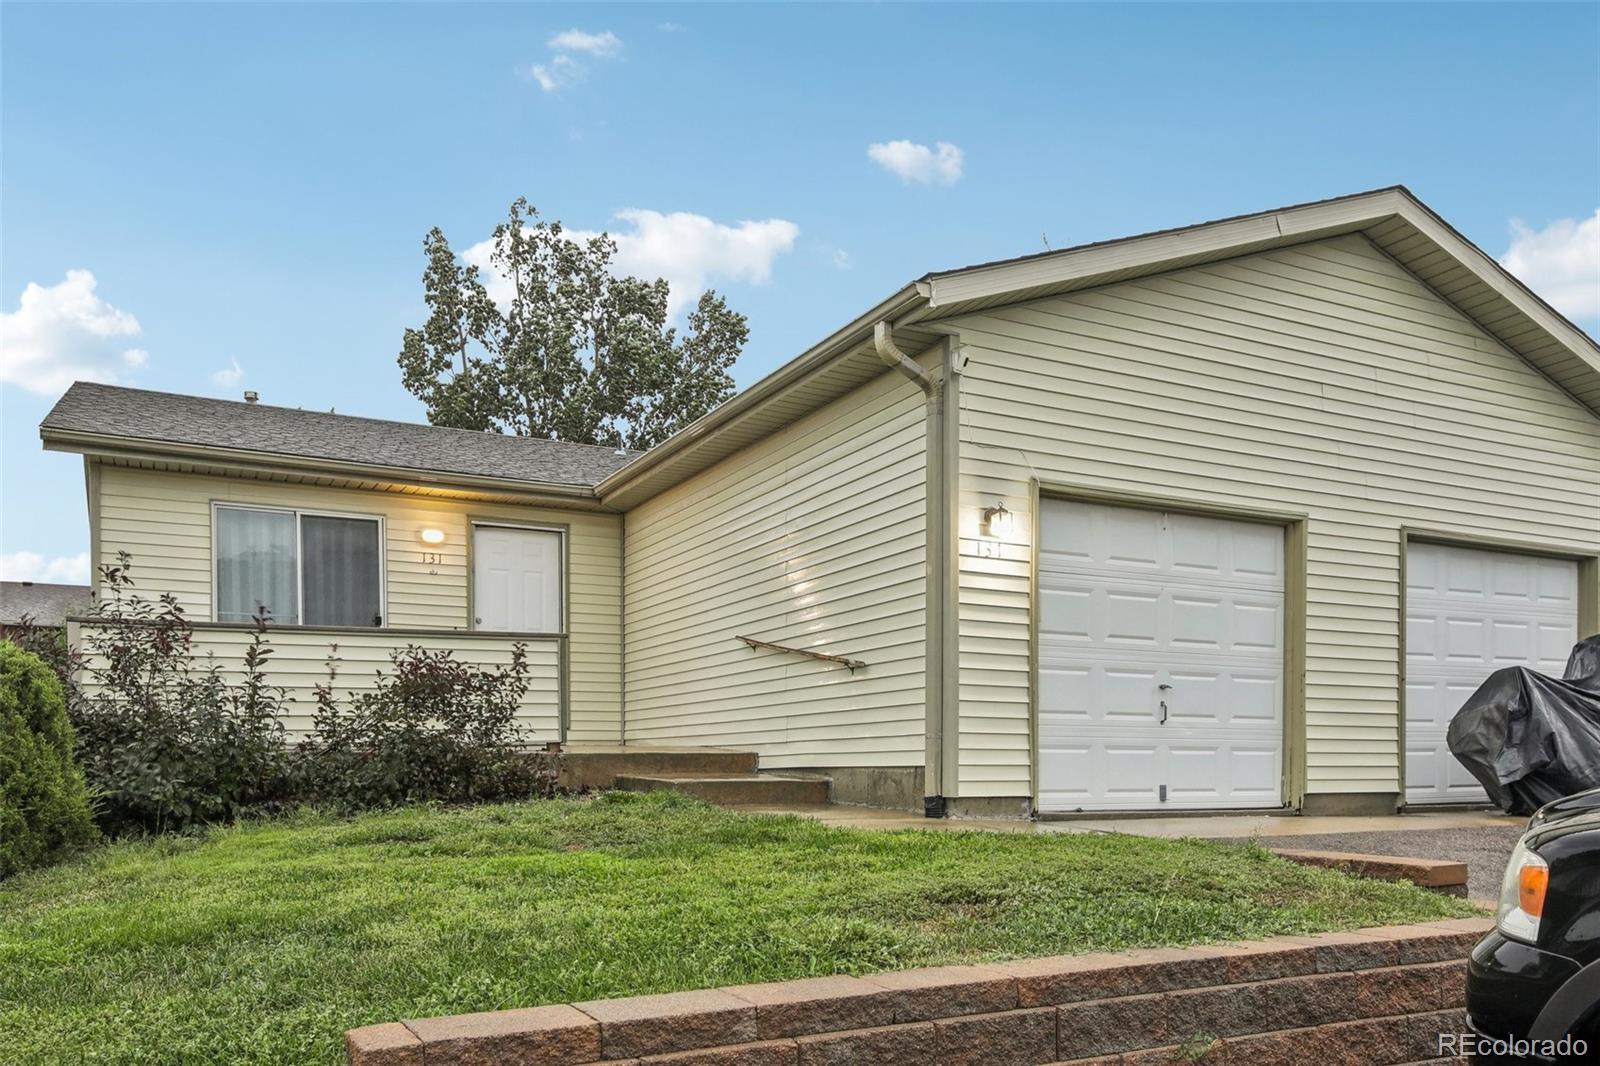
x=432 y=536
x=997 y=521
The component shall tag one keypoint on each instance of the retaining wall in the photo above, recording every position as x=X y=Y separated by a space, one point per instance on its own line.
x=1368 y=998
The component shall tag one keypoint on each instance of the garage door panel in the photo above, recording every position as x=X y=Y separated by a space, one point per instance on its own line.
x=1197 y=773
x=1137 y=607
x=1512 y=642
x=1129 y=616
x=1555 y=645
x=1256 y=773
x=1066 y=612
x=1258 y=552
x=1470 y=612
x=1256 y=700
x=1256 y=626
x=1466 y=639
x=1198 y=621
x=1064 y=691
x=1129 y=770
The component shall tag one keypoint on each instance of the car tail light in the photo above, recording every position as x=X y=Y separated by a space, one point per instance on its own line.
x=1522 y=895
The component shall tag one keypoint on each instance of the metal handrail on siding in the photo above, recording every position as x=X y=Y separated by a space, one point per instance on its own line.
x=852 y=664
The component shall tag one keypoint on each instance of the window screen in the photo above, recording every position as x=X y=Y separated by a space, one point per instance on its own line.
x=256 y=565
x=340 y=580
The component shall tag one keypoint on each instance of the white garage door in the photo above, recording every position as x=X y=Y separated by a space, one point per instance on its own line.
x=1160 y=660
x=1470 y=612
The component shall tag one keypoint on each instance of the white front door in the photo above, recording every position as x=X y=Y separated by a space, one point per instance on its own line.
x=1160 y=680
x=516 y=575
x=1470 y=612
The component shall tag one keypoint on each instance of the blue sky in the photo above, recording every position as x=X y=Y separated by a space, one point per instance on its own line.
x=239 y=186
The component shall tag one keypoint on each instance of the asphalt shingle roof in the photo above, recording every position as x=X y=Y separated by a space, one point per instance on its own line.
x=158 y=417
x=44 y=604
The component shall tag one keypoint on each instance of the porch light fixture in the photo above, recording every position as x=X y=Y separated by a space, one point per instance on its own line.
x=997 y=521
x=431 y=536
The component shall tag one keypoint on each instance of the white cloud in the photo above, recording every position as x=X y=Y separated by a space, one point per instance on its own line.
x=603 y=45
x=64 y=333
x=562 y=69
x=691 y=251
x=841 y=259
x=1560 y=262
x=669 y=27
x=917 y=162
x=31 y=566
x=228 y=376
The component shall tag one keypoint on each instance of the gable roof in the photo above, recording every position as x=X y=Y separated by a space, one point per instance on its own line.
x=171 y=424
x=42 y=603
x=1392 y=218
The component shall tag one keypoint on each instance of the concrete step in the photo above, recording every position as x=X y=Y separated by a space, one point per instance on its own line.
x=599 y=766
x=733 y=790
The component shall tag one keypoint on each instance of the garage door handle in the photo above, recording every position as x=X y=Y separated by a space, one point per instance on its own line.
x=1164 y=688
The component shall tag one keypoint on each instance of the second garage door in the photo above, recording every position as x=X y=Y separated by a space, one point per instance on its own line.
x=1470 y=612
x=1160 y=660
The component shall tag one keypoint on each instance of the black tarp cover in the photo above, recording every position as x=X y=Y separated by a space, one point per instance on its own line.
x=1530 y=738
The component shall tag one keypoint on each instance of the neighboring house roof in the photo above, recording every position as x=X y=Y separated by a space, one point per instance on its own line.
x=43 y=604
x=1392 y=218
x=162 y=420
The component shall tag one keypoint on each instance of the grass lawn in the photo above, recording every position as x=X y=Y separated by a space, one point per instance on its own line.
x=263 y=943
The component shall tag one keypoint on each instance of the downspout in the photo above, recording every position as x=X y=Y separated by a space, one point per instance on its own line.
x=935 y=508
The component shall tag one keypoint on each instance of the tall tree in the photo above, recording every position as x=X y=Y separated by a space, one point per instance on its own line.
x=574 y=352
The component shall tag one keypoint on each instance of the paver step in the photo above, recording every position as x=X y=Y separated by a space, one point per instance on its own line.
x=733 y=789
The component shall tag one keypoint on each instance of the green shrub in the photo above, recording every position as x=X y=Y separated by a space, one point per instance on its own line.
x=165 y=743
x=434 y=728
x=44 y=807
x=47 y=642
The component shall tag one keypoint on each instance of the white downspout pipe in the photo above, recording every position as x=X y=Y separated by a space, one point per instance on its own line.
x=936 y=510
x=890 y=353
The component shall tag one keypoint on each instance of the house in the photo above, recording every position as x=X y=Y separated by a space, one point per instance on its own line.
x=39 y=603
x=1230 y=516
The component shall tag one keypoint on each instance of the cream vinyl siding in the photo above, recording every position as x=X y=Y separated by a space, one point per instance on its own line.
x=1322 y=379
x=812 y=537
x=163 y=520
x=299 y=662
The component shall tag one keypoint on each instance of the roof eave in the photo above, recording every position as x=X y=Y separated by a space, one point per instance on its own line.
x=135 y=448
x=953 y=292
x=903 y=302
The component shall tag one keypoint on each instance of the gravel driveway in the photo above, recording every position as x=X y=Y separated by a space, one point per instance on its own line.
x=1484 y=849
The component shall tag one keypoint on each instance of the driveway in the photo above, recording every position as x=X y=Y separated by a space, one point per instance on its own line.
x=1481 y=839
x=1484 y=848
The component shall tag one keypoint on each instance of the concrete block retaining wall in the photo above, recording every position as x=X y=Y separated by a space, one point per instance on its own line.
x=1368 y=998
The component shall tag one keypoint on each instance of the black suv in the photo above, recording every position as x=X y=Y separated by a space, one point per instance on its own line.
x=1533 y=984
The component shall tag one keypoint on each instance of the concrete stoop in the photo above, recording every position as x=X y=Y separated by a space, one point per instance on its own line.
x=717 y=775
x=599 y=766
x=1375 y=997
x=734 y=790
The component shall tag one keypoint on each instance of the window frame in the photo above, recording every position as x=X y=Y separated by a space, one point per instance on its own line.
x=300 y=557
